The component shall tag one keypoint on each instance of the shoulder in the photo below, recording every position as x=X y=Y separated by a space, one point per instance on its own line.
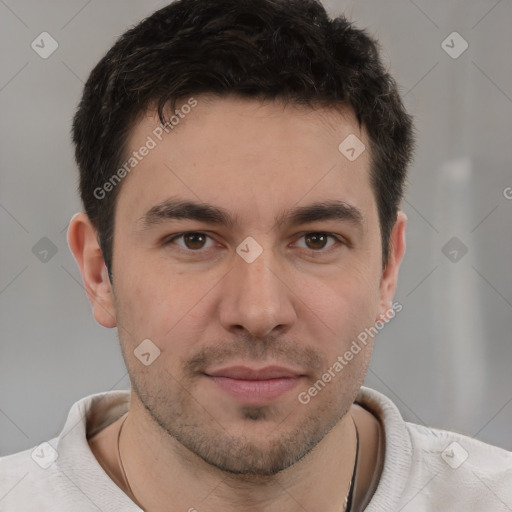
x=428 y=469
x=63 y=473
x=451 y=469
x=29 y=477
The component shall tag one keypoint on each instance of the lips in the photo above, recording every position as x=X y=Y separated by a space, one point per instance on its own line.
x=245 y=373
x=251 y=386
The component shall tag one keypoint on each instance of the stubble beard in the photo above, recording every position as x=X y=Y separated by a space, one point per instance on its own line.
x=243 y=453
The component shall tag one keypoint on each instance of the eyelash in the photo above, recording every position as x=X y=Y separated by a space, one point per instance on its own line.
x=337 y=239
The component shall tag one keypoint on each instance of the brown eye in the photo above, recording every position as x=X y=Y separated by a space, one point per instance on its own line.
x=194 y=241
x=316 y=241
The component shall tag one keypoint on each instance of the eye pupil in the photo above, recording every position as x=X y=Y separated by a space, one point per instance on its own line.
x=188 y=236
x=315 y=237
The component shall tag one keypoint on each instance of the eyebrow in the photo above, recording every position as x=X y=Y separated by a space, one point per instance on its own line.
x=176 y=209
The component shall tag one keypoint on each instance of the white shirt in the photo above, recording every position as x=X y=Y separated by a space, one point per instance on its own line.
x=424 y=469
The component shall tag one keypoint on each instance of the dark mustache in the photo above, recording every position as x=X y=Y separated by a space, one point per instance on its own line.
x=251 y=349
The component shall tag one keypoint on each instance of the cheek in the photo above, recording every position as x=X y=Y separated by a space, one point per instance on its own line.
x=348 y=308
x=348 y=302
x=142 y=301
x=162 y=306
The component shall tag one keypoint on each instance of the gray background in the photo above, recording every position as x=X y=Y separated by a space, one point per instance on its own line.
x=445 y=359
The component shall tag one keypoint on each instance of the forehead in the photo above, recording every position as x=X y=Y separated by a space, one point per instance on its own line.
x=249 y=154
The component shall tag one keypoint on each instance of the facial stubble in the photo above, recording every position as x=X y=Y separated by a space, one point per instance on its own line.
x=291 y=430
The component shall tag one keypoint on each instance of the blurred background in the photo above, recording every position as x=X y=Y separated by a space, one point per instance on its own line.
x=445 y=359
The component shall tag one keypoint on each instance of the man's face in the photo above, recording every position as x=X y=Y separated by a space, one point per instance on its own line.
x=215 y=313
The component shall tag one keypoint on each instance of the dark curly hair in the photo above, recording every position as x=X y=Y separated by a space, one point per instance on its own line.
x=269 y=49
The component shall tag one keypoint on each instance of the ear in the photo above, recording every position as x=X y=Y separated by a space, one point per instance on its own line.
x=82 y=240
x=390 y=273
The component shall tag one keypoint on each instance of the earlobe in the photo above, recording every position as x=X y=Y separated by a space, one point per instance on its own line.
x=390 y=273
x=82 y=240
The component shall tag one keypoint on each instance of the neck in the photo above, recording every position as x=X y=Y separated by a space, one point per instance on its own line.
x=160 y=471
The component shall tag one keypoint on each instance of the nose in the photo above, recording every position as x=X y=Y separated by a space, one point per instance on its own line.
x=258 y=298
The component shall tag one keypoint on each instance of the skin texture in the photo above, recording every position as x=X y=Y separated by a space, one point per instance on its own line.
x=299 y=304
